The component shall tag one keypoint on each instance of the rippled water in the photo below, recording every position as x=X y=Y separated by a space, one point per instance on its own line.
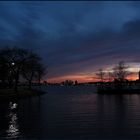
x=71 y=113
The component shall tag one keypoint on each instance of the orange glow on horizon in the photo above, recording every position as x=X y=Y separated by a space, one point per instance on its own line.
x=91 y=77
x=133 y=77
x=84 y=78
x=79 y=78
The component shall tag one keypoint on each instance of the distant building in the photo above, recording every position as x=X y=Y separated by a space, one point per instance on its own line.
x=76 y=82
x=67 y=82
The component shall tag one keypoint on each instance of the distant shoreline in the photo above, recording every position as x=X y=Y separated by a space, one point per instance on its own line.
x=119 y=88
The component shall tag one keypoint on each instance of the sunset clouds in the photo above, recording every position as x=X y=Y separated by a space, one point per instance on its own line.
x=74 y=37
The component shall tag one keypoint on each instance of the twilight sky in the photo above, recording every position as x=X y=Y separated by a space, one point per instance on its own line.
x=75 y=39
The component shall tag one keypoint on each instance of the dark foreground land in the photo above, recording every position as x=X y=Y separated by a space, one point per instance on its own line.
x=119 y=88
x=6 y=94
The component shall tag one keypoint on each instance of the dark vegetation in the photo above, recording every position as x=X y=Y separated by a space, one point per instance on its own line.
x=117 y=81
x=19 y=67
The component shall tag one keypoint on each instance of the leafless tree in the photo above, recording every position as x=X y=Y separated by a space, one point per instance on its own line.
x=120 y=72
x=16 y=62
x=13 y=60
x=33 y=69
x=100 y=75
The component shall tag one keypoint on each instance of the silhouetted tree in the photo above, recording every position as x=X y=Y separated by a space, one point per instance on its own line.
x=14 y=59
x=101 y=75
x=33 y=69
x=120 y=72
x=17 y=62
x=110 y=76
x=4 y=73
x=41 y=70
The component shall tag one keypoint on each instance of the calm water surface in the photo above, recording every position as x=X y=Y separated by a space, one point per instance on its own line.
x=71 y=113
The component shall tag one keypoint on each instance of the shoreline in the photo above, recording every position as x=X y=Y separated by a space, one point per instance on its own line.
x=7 y=94
x=118 y=91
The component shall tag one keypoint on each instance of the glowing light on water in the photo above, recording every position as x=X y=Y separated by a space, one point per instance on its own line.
x=13 y=105
x=13 y=129
x=13 y=63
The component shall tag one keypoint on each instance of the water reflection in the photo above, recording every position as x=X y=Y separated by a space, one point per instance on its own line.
x=13 y=128
x=119 y=115
x=72 y=113
x=29 y=118
x=92 y=116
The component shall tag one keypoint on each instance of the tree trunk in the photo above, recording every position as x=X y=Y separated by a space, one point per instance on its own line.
x=16 y=81
x=30 y=81
x=39 y=80
x=30 y=84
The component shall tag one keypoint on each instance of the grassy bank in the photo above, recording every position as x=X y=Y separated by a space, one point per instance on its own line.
x=21 y=93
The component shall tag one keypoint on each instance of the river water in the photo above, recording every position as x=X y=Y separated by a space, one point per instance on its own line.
x=71 y=113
